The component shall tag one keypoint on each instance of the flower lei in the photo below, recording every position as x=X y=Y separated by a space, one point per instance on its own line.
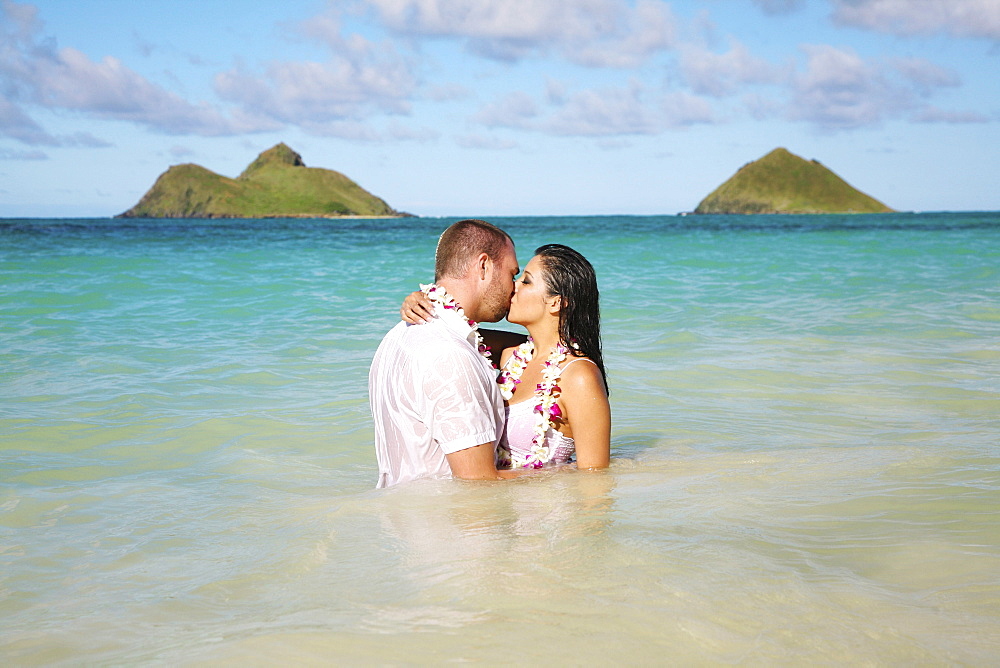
x=436 y=294
x=546 y=392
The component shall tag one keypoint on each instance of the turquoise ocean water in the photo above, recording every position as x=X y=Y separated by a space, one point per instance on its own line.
x=806 y=466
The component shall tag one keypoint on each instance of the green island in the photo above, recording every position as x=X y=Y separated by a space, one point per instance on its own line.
x=275 y=185
x=782 y=182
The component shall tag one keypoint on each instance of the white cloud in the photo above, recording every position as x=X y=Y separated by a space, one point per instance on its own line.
x=346 y=129
x=22 y=155
x=300 y=92
x=607 y=112
x=762 y=107
x=612 y=144
x=21 y=21
x=448 y=92
x=70 y=80
x=925 y=75
x=686 y=109
x=962 y=18
x=360 y=78
x=398 y=132
x=935 y=115
x=16 y=124
x=35 y=72
x=364 y=78
x=479 y=142
x=597 y=33
x=646 y=29
x=722 y=74
x=514 y=110
x=779 y=6
x=597 y=112
x=555 y=92
x=84 y=140
x=840 y=90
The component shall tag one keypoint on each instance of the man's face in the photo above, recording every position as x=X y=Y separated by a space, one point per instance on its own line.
x=496 y=301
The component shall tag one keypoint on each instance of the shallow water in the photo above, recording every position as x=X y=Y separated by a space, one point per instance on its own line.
x=805 y=451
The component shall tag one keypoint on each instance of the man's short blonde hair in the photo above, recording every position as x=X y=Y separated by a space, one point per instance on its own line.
x=464 y=241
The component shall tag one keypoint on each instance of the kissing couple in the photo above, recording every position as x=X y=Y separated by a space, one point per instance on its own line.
x=441 y=409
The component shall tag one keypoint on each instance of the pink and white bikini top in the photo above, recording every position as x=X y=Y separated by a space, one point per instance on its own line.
x=520 y=430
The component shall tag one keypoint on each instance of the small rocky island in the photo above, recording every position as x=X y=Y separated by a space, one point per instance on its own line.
x=275 y=185
x=782 y=182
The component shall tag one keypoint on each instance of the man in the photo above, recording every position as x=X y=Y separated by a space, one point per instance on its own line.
x=433 y=393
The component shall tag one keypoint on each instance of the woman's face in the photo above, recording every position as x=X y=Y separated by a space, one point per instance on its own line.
x=530 y=303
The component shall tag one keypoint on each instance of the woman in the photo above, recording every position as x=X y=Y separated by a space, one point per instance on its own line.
x=554 y=383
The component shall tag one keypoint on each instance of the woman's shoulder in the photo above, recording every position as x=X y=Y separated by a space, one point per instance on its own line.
x=581 y=373
x=505 y=354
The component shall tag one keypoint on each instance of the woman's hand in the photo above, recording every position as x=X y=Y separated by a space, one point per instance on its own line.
x=416 y=308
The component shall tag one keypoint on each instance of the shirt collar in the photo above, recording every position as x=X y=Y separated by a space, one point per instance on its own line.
x=456 y=323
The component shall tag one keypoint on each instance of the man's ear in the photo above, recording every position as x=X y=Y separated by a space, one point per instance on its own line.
x=483 y=265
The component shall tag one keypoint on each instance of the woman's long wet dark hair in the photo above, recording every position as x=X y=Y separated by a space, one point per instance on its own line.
x=569 y=275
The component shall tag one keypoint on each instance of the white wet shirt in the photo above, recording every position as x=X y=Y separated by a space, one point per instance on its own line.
x=431 y=394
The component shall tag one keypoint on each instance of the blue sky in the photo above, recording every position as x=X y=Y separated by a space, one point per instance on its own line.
x=500 y=107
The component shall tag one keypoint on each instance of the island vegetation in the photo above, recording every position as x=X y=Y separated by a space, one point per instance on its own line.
x=276 y=184
x=782 y=182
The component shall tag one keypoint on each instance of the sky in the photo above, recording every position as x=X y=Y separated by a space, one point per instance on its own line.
x=500 y=107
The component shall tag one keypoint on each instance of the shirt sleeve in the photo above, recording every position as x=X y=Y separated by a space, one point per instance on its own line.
x=460 y=403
